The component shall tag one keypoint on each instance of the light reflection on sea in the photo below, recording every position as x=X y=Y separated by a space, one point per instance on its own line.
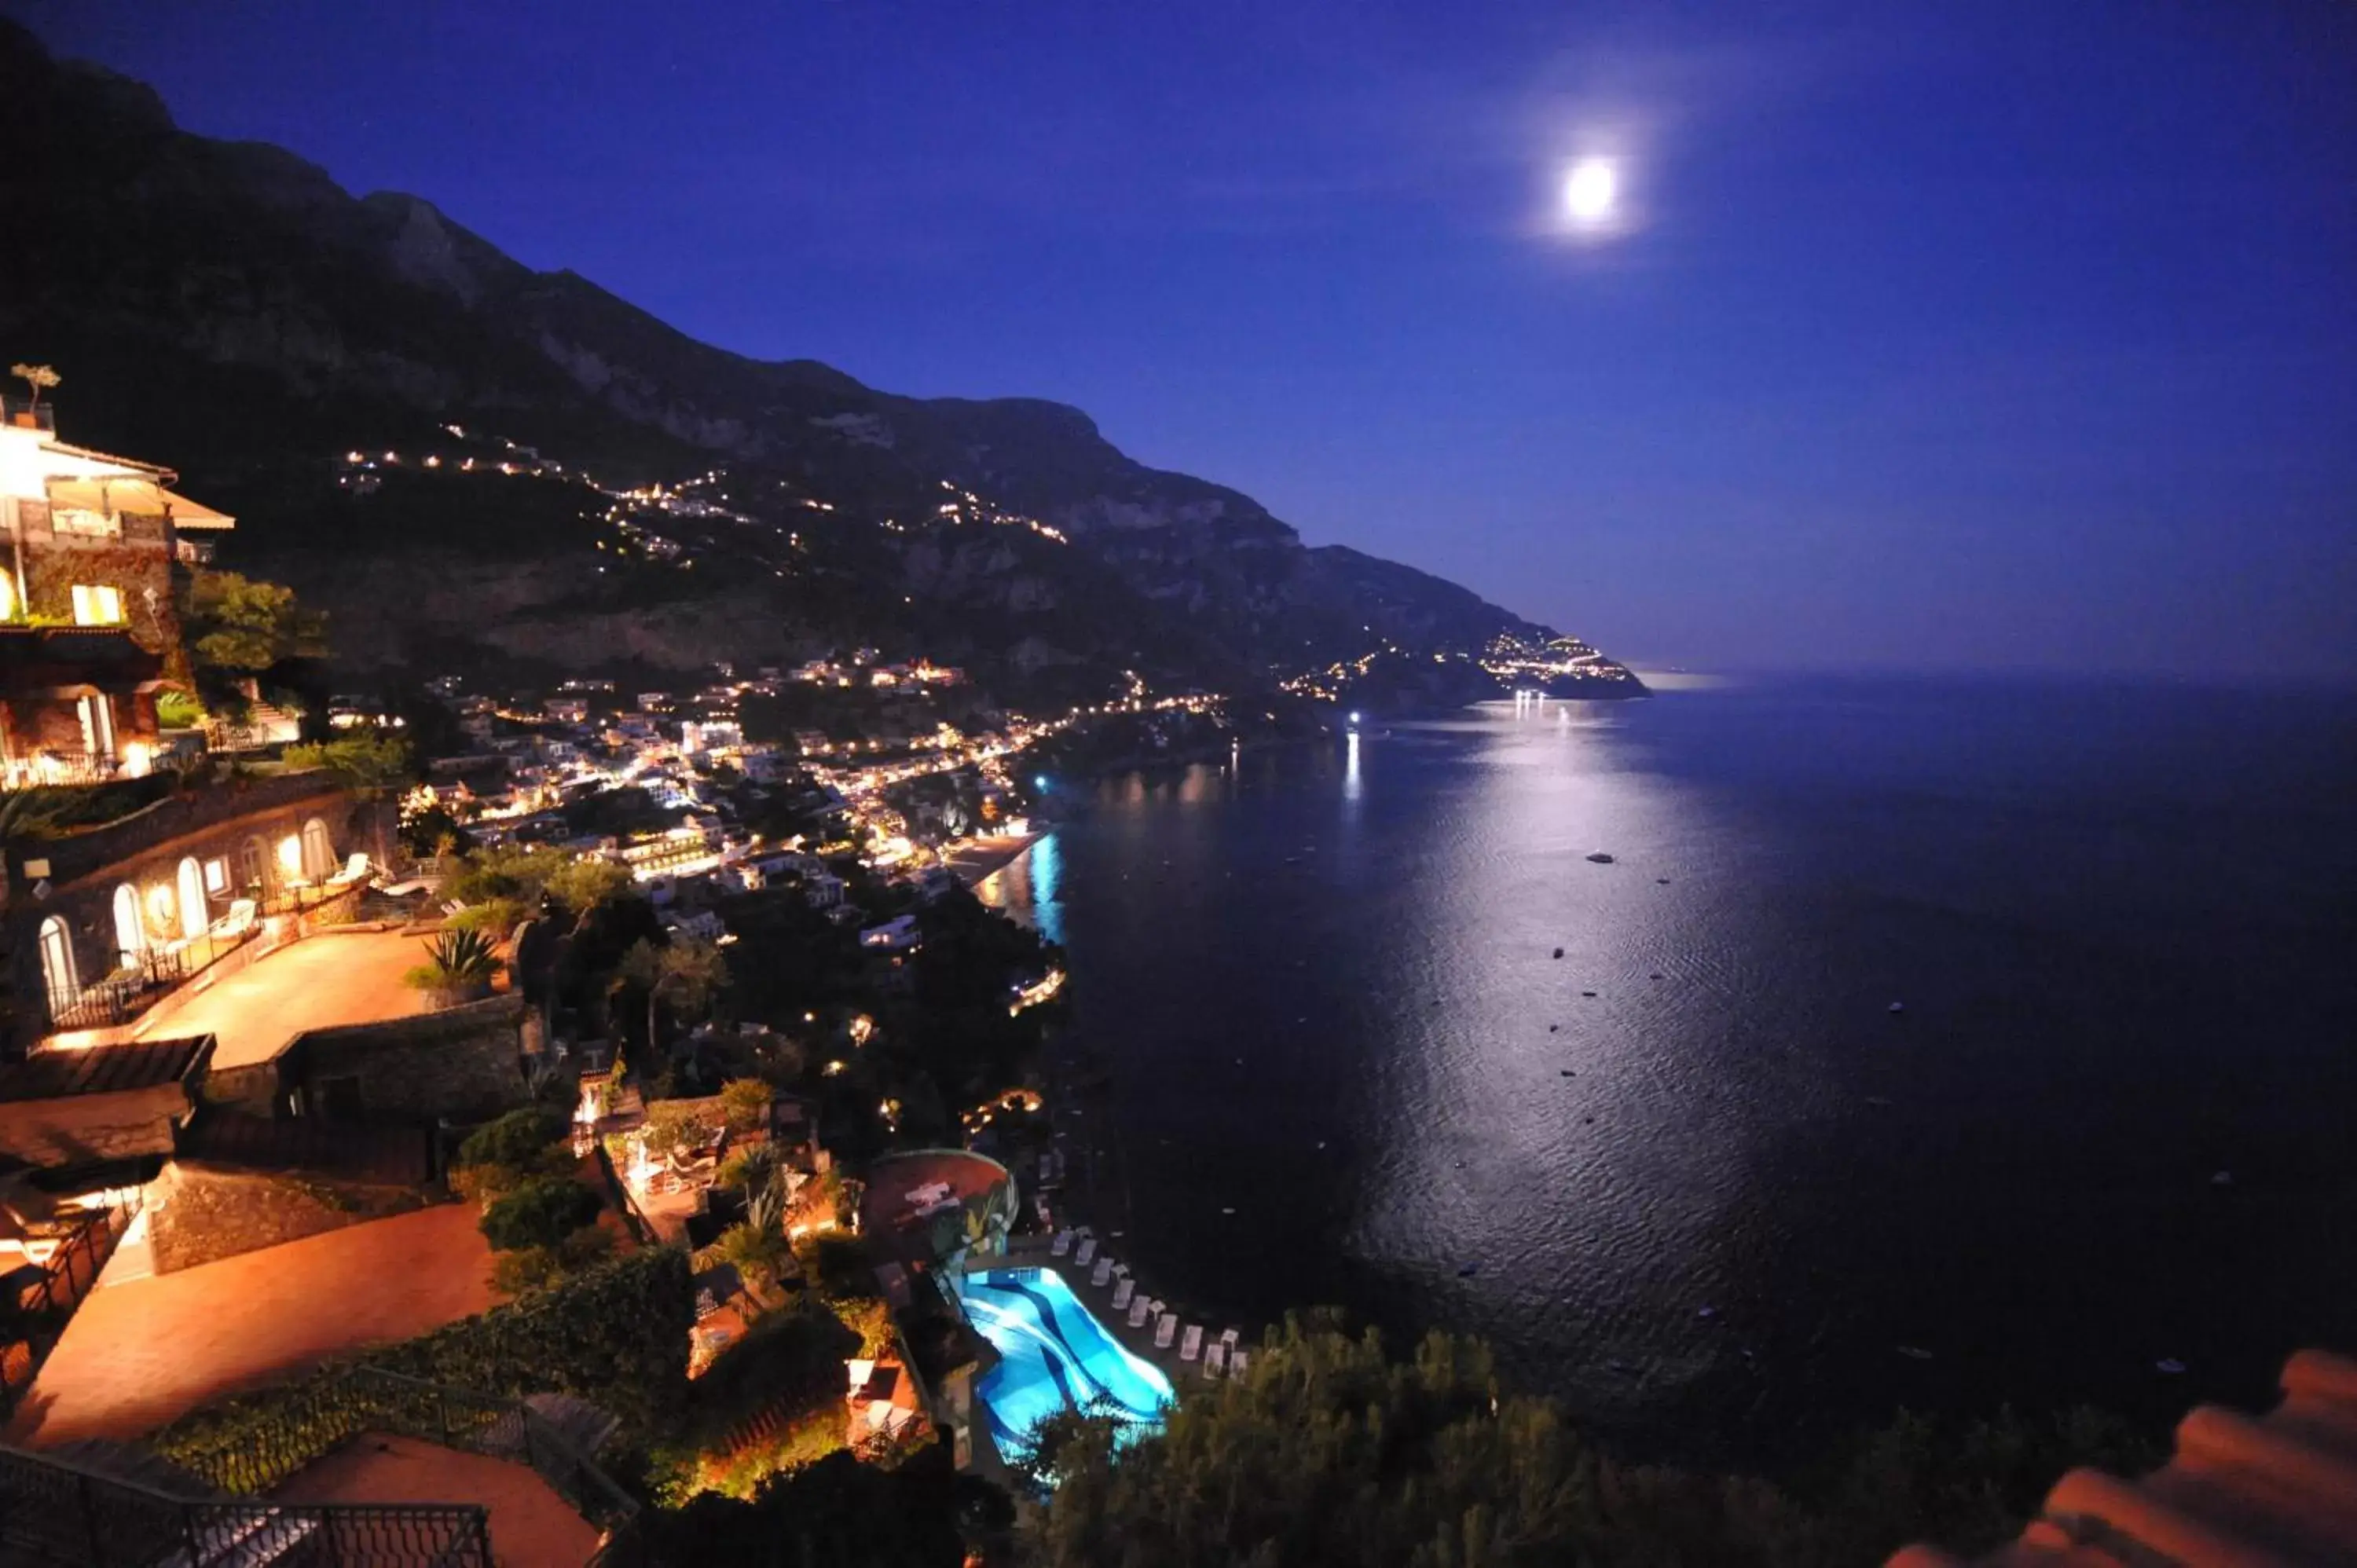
x=1327 y=981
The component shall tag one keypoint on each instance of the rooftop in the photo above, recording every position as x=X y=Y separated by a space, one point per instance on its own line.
x=2280 y=1488
x=99 y=1070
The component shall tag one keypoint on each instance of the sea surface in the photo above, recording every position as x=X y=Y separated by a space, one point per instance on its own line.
x=1730 y=1205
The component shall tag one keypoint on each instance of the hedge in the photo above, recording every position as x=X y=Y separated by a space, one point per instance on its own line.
x=616 y=1335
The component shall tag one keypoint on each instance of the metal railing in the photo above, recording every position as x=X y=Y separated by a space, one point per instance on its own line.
x=56 y=1515
x=32 y=1325
x=145 y=981
x=59 y=768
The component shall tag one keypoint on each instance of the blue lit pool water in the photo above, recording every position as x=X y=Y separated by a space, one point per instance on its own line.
x=1054 y=1355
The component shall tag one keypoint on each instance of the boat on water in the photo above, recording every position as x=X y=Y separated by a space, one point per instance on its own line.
x=1601 y=858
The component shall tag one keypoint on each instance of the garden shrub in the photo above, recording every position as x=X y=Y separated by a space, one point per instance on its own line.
x=541 y=1212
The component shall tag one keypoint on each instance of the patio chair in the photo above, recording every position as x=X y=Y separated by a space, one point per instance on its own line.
x=234 y=925
x=1215 y=1360
x=355 y=868
x=1061 y=1245
x=1139 y=1310
x=1238 y=1362
x=1122 y=1294
x=1191 y=1343
x=1087 y=1252
x=1165 y=1331
x=1229 y=1337
x=1102 y=1273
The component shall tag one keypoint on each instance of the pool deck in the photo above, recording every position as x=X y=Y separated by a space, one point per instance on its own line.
x=1034 y=1252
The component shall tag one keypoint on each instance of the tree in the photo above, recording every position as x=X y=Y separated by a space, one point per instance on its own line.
x=244 y=625
x=369 y=760
x=37 y=377
x=689 y=969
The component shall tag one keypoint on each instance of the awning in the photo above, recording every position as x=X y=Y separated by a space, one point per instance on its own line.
x=143 y=497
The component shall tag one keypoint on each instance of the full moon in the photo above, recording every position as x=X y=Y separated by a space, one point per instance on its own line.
x=1590 y=190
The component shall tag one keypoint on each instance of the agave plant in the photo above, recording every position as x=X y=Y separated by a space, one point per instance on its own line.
x=457 y=962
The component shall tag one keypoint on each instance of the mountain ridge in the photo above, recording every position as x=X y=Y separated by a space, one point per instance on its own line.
x=236 y=312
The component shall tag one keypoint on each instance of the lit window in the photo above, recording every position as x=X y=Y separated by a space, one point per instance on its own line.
x=290 y=855
x=100 y=605
x=217 y=876
x=7 y=595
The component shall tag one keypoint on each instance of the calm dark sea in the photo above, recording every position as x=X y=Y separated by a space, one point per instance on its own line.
x=2122 y=919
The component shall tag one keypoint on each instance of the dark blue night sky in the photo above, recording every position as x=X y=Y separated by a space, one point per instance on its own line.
x=1979 y=335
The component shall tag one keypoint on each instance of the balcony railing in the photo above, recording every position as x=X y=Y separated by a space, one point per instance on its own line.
x=59 y=768
x=32 y=1322
x=56 y=1515
x=20 y=412
x=147 y=980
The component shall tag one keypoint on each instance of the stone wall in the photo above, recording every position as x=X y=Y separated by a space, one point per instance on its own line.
x=463 y=1063
x=84 y=1129
x=200 y=1213
x=231 y=824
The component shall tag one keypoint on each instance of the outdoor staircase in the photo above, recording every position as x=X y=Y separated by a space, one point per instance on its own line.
x=582 y=1426
x=139 y=1466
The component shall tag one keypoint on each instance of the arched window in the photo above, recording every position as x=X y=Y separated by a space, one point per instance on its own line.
x=57 y=965
x=129 y=931
x=253 y=868
x=319 y=854
x=193 y=915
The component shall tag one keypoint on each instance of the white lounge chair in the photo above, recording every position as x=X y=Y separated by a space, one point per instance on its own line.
x=1215 y=1359
x=1061 y=1245
x=1229 y=1337
x=1191 y=1345
x=1139 y=1310
x=1087 y=1251
x=1122 y=1293
x=1165 y=1331
x=236 y=923
x=1237 y=1363
x=355 y=868
x=1102 y=1275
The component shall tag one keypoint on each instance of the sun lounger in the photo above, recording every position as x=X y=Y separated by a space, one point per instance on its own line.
x=1061 y=1245
x=1190 y=1345
x=1165 y=1331
x=1230 y=1336
x=355 y=868
x=1122 y=1293
x=235 y=924
x=1102 y=1275
x=1139 y=1310
x=1215 y=1359
x=1237 y=1363
x=1087 y=1251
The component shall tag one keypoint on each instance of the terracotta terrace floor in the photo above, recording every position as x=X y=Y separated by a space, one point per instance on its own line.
x=140 y=1353
x=316 y=983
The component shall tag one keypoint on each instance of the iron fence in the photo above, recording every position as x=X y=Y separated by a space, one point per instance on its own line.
x=31 y=1324
x=55 y=1515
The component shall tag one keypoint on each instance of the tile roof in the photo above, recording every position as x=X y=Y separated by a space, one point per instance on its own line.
x=58 y=1074
x=2240 y=1492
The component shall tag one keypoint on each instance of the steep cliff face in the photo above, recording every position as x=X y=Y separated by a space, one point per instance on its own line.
x=228 y=308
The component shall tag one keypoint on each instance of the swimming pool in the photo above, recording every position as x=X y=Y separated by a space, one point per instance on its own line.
x=1053 y=1354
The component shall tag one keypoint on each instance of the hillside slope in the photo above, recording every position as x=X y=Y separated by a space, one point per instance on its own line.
x=228 y=308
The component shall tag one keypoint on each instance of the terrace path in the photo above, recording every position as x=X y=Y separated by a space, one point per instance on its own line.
x=320 y=983
x=143 y=1352
x=532 y=1526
